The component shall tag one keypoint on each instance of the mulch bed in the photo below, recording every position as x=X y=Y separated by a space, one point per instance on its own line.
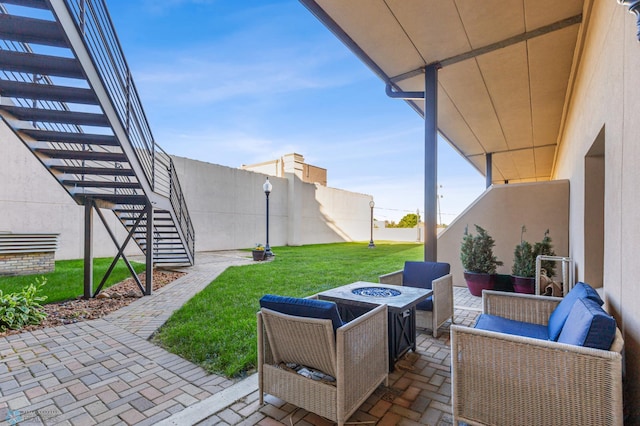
x=114 y=298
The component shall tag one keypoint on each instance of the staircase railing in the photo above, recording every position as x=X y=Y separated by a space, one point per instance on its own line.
x=24 y=77
x=94 y=24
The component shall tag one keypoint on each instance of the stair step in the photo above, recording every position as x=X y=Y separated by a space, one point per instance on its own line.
x=55 y=116
x=101 y=184
x=169 y=258
x=47 y=92
x=180 y=259
x=99 y=171
x=71 y=137
x=123 y=210
x=138 y=199
x=30 y=30
x=37 y=4
x=155 y=225
x=32 y=63
x=163 y=236
x=82 y=155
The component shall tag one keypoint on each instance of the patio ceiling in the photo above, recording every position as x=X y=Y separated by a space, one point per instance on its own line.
x=506 y=67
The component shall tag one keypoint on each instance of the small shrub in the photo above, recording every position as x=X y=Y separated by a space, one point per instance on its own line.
x=476 y=252
x=525 y=254
x=524 y=258
x=545 y=247
x=22 y=308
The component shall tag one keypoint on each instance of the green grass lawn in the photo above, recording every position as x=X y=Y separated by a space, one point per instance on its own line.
x=67 y=281
x=217 y=328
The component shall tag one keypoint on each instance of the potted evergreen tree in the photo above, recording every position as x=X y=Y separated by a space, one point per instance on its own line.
x=478 y=261
x=524 y=262
x=545 y=248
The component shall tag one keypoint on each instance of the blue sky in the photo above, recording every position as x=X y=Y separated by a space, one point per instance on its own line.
x=241 y=82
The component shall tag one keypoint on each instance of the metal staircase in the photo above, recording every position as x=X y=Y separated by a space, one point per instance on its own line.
x=67 y=93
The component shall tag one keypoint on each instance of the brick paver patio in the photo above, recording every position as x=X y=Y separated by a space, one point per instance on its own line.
x=106 y=372
x=419 y=391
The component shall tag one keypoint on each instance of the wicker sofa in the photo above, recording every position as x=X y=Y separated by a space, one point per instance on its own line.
x=436 y=310
x=506 y=379
x=355 y=354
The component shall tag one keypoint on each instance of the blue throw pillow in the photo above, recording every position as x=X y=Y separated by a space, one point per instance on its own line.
x=588 y=325
x=561 y=312
x=421 y=274
x=311 y=308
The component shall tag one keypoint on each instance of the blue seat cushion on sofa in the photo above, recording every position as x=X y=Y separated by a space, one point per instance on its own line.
x=310 y=308
x=509 y=326
x=588 y=325
x=561 y=312
x=426 y=305
x=421 y=274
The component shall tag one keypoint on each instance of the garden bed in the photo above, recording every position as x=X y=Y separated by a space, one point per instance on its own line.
x=76 y=310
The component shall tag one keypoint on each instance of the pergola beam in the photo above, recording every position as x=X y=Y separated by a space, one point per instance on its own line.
x=556 y=26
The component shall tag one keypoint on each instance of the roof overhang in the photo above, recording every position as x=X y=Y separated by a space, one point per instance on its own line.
x=506 y=69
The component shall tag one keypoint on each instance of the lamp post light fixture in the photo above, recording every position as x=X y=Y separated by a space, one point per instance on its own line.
x=372 y=205
x=267 y=190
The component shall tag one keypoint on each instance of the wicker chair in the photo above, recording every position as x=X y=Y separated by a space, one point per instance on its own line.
x=507 y=379
x=435 y=311
x=356 y=354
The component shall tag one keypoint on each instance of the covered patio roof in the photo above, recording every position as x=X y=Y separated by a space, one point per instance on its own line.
x=505 y=69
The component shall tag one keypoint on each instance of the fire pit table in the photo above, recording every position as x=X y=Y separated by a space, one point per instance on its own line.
x=357 y=298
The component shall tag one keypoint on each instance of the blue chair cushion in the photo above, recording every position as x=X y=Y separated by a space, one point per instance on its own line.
x=425 y=305
x=588 y=325
x=421 y=274
x=310 y=308
x=509 y=326
x=561 y=312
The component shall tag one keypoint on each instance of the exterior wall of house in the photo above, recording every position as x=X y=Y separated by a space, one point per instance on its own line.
x=32 y=201
x=603 y=108
x=502 y=210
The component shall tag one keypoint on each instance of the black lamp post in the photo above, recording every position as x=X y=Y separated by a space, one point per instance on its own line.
x=371 y=244
x=267 y=190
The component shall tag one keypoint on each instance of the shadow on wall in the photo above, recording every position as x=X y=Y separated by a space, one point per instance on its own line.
x=228 y=208
x=502 y=210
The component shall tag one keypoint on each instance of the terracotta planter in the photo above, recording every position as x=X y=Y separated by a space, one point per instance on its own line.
x=477 y=282
x=524 y=284
x=258 y=254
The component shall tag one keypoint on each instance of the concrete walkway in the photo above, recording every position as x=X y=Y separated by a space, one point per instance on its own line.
x=107 y=372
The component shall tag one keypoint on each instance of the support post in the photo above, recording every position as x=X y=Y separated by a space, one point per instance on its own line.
x=488 y=168
x=88 y=248
x=148 y=286
x=431 y=163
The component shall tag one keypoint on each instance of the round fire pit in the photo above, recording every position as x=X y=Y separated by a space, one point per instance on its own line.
x=376 y=292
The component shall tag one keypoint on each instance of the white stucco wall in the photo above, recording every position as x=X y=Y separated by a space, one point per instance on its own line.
x=502 y=210
x=31 y=200
x=228 y=208
x=606 y=95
